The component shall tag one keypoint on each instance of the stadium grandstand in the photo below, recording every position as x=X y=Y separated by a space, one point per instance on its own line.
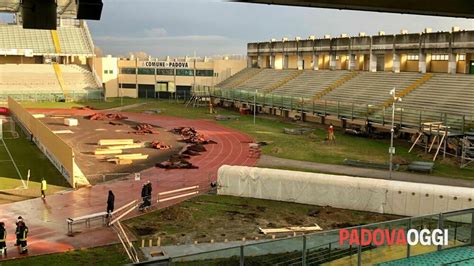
x=350 y=77
x=48 y=65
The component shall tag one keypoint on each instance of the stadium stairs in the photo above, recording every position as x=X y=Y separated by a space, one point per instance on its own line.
x=410 y=88
x=444 y=93
x=239 y=78
x=371 y=88
x=72 y=40
x=57 y=45
x=453 y=256
x=309 y=83
x=62 y=84
x=334 y=85
x=427 y=97
x=265 y=79
x=28 y=79
x=283 y=81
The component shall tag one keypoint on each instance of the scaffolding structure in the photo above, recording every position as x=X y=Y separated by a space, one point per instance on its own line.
x=435 y=136
x=467 y=156
x=201 y=97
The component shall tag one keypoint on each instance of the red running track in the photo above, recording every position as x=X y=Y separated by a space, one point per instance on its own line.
x=47 y=219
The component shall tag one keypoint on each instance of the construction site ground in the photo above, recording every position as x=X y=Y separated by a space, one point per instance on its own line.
x=84 y=140
x=216 y=217
x=47 y=218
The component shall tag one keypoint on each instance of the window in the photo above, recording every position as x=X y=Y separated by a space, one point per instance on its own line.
x=165 y=72
x=129 y=71
x=111 y=71
x=106 y=72
x=205 y=73
x=462 y=57
x=413 y=57
x=439 y=57
x=127 y=86
x=146 y=71
x=184 y=72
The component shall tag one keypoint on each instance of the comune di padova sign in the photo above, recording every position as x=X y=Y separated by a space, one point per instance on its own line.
x=166 y=64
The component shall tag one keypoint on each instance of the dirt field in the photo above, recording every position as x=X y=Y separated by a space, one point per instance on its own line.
x=224 y=217
x=85 y=137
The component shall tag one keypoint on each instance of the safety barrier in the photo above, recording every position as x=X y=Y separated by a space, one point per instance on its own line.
x=57 y=151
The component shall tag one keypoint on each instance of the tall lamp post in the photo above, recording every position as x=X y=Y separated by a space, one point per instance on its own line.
x=391 y=150
x=254 y=106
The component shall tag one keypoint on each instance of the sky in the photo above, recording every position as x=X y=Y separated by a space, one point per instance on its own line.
x=218 y=27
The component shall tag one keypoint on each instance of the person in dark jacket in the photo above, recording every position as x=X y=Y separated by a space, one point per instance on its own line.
x=18 y=221
x=22 y=235
x=3 y=240
x=149 y=190
x=144 y=195
x=110 y=203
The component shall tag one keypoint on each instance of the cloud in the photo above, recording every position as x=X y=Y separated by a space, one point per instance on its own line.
x=156 y=32
x=180 y=27
x=184 y=38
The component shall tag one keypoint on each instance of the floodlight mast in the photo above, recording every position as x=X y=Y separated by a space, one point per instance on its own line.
x=391 y=150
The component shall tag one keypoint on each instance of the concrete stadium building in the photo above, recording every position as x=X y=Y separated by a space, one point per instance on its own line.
x=162 y=78
x=437 y=52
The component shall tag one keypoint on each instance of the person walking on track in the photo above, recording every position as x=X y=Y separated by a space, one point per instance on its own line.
x=44 y=187
x=110 y=203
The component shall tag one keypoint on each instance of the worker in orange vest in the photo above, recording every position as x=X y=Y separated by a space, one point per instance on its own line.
x=331 y=136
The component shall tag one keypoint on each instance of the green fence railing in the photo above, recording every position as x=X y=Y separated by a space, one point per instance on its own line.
x=404 y=116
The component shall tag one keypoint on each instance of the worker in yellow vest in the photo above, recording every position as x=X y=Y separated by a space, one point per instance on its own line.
x=44 y=187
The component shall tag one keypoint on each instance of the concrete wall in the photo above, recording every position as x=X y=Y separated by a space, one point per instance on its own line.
x=292 y=62
x=58 y=151
x=279 y=61
x=17 y=59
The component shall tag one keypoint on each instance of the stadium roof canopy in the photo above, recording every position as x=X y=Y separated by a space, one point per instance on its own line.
x=451 y=8
x=66 y=8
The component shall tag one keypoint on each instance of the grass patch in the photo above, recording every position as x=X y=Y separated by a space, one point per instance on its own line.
x=27 y=156
x=108 y=255
x=221 y=217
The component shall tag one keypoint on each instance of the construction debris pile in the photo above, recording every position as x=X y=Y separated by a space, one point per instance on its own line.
x=177 y=161
x=113 y=149
x=190 y=135
x=160 y=145
x=142 y=129
x=87 y=108
x=104 y=116
x=195 y=147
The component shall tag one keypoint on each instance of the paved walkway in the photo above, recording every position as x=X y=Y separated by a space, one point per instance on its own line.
x=274 y=162
x=47 y=219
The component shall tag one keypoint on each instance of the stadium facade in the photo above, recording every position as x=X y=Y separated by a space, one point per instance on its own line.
x=162 y=78
x=437 y=52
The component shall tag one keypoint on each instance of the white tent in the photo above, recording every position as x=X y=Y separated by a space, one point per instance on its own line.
x=355 y=193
